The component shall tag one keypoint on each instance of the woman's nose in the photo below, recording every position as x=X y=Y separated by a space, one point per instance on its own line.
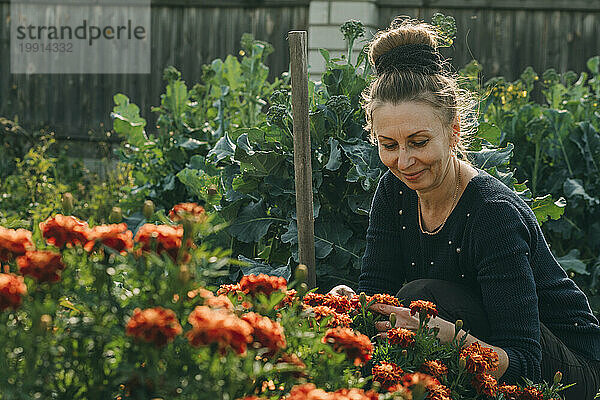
x=404 y=159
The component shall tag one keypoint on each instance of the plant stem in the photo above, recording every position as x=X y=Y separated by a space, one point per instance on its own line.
x=538 y=149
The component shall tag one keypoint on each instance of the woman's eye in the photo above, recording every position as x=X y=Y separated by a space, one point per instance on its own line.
x=389 y=146
x=420 y=144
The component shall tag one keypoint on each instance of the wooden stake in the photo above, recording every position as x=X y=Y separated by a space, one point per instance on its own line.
x=302 y=154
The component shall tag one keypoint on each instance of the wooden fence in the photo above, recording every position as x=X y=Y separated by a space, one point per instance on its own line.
x=185 y=33
x=505 y=36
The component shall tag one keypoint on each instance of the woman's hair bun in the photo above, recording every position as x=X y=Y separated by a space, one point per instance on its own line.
x=402 y=30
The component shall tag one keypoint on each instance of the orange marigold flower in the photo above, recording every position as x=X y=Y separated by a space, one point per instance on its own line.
x=358 y=347
x=531 y=393
x=510 y=392
x=309 y=391
x=423 y=307
x=115 y=236
x=218 y=326
x=419 y=379
x=266 y=332
x=192 y=210
x=210 y=300
x=438 y=392
x=401 y=337
x=289 y=298
x=387 y=374
x=479 y=359
x=354 y=394
x=12 y=287
x=434 y=368
x=336 y=319
x=42 y=265
x=385 y=298
x=341 y=304
x=168 y=239
x=14 y=242
x=355 y=301
x=61 y=231
x=226 y=289
x=219 y=302
x=485 y=384
x=261 y=283
x=154 y=325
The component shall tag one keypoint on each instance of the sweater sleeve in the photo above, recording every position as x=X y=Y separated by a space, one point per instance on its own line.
x=380 y=269
x=501 y=253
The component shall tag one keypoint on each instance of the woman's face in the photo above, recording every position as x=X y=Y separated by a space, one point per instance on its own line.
x=413 y=143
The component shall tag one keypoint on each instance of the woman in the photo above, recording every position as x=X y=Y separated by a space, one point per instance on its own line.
x=457 y=235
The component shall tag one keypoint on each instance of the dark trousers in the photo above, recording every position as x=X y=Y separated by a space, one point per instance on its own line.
x=454 y=302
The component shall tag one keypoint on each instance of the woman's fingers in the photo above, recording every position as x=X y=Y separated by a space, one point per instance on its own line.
x=383 y=326
x=385 y=309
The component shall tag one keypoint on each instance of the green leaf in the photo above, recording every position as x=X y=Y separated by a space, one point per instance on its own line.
x=574 y=187
x=176 y=98
x=544 y=208
x=197 y=181
x=360 y=203
x=127 y=121
x=257 y=163
x=190 y=144
x=252 y=223
x=366 y=164
x=223 y=149
x=489 y=132
x=233 y=72
x=571 y=262
x=325 y=54
x=491 y=157
x=335 y=155
x=593 y=65
x=587 y=140
x=254 y=268
x=330 y=233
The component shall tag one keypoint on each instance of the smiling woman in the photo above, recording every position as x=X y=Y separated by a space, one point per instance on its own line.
x=444 y=231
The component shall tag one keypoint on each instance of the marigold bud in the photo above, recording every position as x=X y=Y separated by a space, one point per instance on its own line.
x=458 y=324
x=116 y=215
x=67 y=202
x=302 y=289
x=362 y=298
x=45 y=321
x=393 y=320
x=557 y=377
x=148 y=209
x=462 y=363
x=188 y=225
x=376 y=386
x=404 y=353
x=301 y=273
x=184 y=274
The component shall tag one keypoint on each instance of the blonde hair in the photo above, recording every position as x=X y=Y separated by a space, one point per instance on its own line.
x=440 y=90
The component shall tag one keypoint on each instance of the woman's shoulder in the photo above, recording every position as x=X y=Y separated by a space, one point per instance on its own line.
x=490 y=197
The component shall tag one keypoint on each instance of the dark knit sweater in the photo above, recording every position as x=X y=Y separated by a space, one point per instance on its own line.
x=493 y=244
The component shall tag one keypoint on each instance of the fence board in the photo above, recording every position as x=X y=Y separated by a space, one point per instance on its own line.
x=504 y=36
x=183 y=36
x=506 y=41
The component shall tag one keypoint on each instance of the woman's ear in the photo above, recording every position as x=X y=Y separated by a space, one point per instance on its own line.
x=455 y=132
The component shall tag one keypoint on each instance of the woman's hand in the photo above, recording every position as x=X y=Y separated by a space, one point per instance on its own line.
x=342 y=290
x=403 y=317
